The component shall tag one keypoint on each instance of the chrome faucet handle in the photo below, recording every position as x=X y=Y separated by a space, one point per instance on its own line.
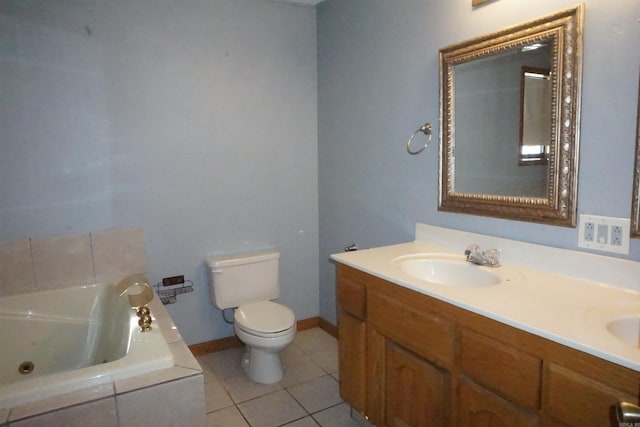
x=471 y=249
x=490 y=257
x=351 y=248
x=493 y=257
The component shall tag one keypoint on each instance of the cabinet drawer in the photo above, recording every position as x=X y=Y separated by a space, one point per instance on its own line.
x=424 y=333
x=577 y=400
x=351 y=297
x=510 y=372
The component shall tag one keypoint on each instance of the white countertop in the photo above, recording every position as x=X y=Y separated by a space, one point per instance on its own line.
x=554 y=300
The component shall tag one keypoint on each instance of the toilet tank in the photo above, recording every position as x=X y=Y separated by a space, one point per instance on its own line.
x=243 y=278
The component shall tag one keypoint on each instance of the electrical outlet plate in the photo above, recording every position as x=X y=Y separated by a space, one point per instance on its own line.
x=602 y=233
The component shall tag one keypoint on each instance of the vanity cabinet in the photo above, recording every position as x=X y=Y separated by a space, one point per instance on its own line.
x=407 y=359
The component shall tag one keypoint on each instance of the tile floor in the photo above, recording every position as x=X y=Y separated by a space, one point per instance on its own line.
x=307 y=396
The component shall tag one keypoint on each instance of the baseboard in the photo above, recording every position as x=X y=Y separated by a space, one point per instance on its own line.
x=232 y=342
x=215 y=345
x=330 y=328
x=312 y=322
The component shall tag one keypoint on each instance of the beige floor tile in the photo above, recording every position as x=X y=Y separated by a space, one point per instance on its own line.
x=318 y=394
x=227 y=417
x=272 y=410
x=304 y=422
x=299 y=368
x=326 y=359
x=310 y=367
x=291 y=351
x=216 y=397
x=207 y=372
x=336 y=416
x=314 y=340
x=208 y=375
x=241 y=388
x=226 y=363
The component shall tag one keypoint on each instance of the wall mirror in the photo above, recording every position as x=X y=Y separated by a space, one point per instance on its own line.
x=510 y=119
x=635 y=201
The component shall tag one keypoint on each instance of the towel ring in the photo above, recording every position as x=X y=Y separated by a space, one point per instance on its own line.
x=426 y=129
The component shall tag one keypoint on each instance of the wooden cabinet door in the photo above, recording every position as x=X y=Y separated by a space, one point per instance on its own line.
x=352 y=360
x=478 y=407
x=576 y=400
x=414 y=390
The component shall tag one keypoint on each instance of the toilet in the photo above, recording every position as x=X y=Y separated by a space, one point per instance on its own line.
x=248 y=282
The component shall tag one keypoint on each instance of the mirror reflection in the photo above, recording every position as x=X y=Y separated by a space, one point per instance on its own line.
x=535 y=116
x=510 y=105
x=487 y=105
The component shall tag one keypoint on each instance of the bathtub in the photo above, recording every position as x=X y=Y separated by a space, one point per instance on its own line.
x=55 y=342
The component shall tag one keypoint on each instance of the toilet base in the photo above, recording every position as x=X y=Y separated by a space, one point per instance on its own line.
x=262 y=366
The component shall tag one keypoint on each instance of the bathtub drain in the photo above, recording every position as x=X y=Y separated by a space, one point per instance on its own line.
x=26 y=368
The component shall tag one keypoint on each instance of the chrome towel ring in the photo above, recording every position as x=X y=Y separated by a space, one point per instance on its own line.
x=426 y=129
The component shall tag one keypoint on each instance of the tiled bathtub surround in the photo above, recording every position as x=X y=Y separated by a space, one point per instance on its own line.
x=172 y=396
x=29 y=265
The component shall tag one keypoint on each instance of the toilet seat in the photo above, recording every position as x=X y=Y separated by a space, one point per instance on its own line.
x=265 y=319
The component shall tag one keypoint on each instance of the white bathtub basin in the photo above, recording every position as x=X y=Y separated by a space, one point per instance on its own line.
x=55 y=342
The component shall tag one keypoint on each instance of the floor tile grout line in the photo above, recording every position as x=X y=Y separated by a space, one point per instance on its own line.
x=298 y=419
x=308 y=413
x=308 y=356
x=242 y=415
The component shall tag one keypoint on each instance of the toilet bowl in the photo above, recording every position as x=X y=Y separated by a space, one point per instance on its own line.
x=266 y=328
x=247 y=283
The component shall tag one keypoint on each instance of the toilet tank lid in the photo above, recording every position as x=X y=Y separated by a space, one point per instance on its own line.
x=220 y=261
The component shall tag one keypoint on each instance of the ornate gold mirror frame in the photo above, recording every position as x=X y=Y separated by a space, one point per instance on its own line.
x=561 y=33
x=635 y=201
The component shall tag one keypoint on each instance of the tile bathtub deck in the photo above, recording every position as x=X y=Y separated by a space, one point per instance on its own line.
x=307 y=396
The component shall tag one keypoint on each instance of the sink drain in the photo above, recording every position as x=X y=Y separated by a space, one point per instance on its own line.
x=26 y=368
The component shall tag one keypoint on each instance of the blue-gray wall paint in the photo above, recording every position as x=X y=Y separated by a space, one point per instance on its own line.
x=204 y=123
x=195 y=120
x=378 y=82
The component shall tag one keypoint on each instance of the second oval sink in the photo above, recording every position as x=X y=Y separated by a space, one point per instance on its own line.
x=626 y=329
x=448 y=270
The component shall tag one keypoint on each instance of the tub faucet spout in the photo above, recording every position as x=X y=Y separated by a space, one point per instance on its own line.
x=138 y=300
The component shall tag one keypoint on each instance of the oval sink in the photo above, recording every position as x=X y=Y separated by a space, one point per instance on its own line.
x=447 y=270
x=626 y=329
